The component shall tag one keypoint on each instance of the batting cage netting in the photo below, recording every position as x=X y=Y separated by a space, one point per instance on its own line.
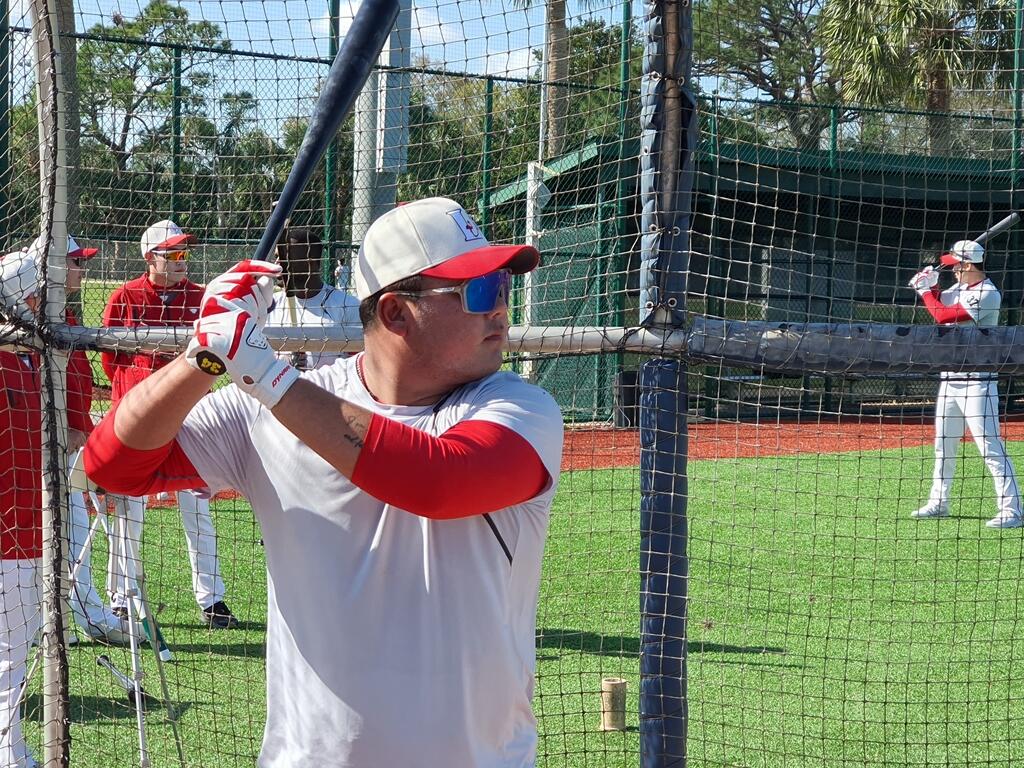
x=772 y=307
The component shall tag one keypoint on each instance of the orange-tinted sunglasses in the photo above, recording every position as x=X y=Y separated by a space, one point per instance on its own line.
x=174 y=255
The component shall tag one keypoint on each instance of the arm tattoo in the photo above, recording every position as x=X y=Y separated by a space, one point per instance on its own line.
x=358 y=426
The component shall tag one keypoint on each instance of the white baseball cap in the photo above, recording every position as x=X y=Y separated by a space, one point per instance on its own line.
x=434 y=237
x=164 y=236
x=75 y=251
x=19 y=270
x=19 y=275
x=963 y=250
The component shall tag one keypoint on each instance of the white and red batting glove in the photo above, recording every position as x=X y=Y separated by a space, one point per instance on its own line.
x=228 y=335
x=925 y=280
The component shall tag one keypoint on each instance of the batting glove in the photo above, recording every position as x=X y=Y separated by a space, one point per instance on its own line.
x=925 y=280
x=248 y=286
x=228 y=335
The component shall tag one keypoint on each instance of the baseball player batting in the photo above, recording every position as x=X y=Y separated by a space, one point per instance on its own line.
x=967 y=400
x=403 y=495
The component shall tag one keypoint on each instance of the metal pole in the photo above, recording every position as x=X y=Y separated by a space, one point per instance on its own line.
x=716 y=306
x=622 y=191
x=485 y=174
x=53 y=184
x=175 y=132
x=534 y=190
x=5 y=121
x=542 y=125
x=381 y=130
x=1013 y=276
x=833 y=221
x=330 y=235
x=1018 y=19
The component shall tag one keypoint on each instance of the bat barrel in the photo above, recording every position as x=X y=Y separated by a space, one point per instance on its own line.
x=998 y=227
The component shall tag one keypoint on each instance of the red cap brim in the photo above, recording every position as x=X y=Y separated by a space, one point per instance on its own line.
x=517 y=259
x=83 y=253
x=948 y=260
x=174 y=242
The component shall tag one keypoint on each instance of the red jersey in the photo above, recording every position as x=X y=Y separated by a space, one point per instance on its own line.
x=21 y=444
x=21 y=458
x=140 y=303
x=79 y=387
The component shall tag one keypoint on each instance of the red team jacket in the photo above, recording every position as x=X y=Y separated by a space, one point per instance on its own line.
x=21 y=496
x=140 y=303
x=79 y=387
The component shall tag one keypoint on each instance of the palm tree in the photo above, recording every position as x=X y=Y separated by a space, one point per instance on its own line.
x=917 y=53
x=555 y=73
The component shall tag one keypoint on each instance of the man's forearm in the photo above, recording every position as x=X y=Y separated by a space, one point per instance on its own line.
x=151 y=413
x=334 y=428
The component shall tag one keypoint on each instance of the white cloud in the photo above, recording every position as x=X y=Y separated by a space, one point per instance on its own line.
x=510 y=63
x=430 y=30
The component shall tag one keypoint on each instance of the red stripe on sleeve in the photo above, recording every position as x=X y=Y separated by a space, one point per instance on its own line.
x=943 y=314
x=474 y=468
x=117 y=468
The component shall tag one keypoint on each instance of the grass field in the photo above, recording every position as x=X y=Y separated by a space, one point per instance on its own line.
x=826 y=627
x=88 y=305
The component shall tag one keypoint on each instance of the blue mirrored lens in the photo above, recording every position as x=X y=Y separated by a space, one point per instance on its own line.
x=481 y=294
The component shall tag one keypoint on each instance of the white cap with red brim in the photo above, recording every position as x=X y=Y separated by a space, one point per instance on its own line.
x=19 y=270
x=75 y=251
x=963 y=250
x=435 y=237
x=164 y=236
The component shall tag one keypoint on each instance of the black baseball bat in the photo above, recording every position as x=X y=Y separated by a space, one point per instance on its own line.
x=348 y=74
x=1000 y=226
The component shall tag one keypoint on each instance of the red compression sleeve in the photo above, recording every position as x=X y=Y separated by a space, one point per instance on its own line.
x=943 y=314
x=115 y=467
x=473 y=468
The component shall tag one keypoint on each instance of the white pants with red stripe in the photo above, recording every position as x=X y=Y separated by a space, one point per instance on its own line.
x=971 y=404
x=20 y=620
x=200 y=537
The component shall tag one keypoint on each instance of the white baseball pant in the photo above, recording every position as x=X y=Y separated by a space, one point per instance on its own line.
x=86 y=603
x=972 y=404
x=200 y=537
x=20 y=620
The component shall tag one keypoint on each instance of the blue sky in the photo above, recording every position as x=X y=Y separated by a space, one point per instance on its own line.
x=473 y=35
x=476 y=36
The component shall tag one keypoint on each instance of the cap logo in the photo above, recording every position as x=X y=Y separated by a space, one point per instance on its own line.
x=466 y=225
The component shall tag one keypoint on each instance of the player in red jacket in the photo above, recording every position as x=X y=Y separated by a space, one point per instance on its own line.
x=162 y=296
x=21 y=539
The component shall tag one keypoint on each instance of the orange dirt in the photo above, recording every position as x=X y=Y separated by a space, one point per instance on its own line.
x=603 y=448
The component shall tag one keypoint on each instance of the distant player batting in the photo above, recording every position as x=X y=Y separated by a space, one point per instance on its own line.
x=967 y=399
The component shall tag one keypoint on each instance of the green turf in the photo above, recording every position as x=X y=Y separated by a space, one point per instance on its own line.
x=89 y=305
x=827 y=628
x=216 y=678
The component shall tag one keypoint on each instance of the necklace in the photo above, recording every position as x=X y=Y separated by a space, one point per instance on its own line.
x=360 y=373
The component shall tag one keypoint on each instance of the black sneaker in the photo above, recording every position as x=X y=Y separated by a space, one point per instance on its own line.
x=219 y=616
x=121 y=611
